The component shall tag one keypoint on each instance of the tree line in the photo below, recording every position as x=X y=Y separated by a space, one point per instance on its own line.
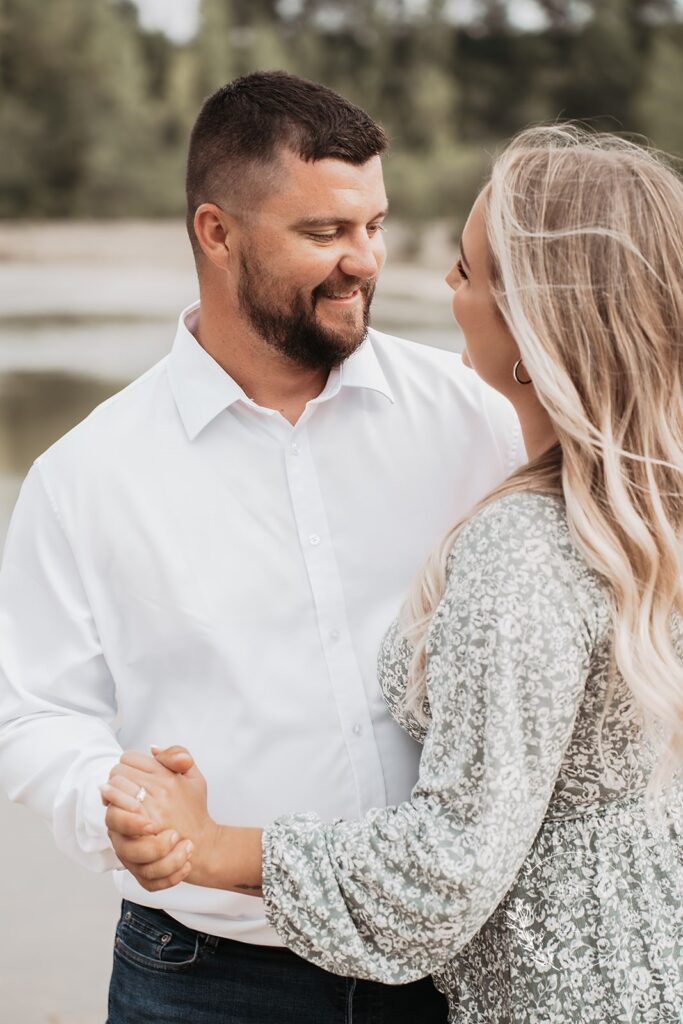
x=95 y=112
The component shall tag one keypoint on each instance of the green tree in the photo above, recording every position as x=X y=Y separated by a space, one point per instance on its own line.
x=604 y=67
x=213 y=49
x=95 y=113
x=74 y=109
x=659 y=104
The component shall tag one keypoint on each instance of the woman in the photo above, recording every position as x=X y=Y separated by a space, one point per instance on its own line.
x=537 y=871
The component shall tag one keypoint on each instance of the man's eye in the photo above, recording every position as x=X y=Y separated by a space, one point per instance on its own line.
x=320 y=237
x=374 y=228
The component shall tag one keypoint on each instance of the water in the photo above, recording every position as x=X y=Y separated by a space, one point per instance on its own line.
x=83 y=310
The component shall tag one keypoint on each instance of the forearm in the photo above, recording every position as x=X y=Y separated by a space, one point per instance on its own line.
x=232 y=861
x=361 y=898
x=54 y=765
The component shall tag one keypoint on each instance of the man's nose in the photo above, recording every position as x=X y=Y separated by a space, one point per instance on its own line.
x=363 y=260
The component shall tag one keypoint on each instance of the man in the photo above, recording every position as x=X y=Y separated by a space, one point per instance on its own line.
x=211 y=558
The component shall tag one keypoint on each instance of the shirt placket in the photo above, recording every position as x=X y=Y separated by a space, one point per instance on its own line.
x=326 y=587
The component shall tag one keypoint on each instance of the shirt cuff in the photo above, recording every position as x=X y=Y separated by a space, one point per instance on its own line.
x=78 y=821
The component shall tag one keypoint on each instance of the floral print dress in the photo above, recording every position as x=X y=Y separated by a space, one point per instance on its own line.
x=522 y=873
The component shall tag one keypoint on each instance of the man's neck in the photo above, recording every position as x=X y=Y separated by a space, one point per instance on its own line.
x=266 y=376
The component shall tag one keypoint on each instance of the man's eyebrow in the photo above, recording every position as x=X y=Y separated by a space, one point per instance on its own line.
x=463 y=257
x=326 y=222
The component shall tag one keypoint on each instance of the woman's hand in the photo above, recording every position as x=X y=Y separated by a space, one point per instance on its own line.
x=172 y=801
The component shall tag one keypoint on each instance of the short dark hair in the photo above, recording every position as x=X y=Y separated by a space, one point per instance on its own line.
x=245 y=124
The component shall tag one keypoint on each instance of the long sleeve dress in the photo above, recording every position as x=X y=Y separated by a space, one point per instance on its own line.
x=522 y=873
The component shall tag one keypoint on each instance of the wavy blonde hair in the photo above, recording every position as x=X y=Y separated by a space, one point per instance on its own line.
x=585 y=233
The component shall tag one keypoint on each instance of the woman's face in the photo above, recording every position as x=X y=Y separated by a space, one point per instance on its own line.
x=490 y=348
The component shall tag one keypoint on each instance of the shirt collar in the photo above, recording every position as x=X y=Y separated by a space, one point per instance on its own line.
x=362 y=369
x=202 y=389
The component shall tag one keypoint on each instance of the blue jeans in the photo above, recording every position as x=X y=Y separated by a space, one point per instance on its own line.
x=165 y=973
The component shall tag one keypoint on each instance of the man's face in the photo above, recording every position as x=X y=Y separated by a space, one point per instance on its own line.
x=309 y=259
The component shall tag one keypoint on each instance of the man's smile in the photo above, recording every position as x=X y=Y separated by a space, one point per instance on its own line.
x=344 y=298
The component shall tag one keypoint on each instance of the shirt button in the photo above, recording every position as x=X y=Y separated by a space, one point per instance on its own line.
x=357 y=729
x=314 y=539
x=334 y=634
x=295 y=449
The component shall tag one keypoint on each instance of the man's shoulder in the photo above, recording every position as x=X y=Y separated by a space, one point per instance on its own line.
x=416 y=366
x=403 y=350
x=112 y=424
x=440 y=389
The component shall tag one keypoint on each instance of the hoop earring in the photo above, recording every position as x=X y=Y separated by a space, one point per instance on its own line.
x=515 y=373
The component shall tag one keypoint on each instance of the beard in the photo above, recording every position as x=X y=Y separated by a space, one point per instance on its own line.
x=291 y=327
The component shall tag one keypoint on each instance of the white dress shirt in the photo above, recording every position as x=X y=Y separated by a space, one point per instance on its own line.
x=187 y=567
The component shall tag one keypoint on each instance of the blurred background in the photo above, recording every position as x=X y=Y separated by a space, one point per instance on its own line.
x=97 y=98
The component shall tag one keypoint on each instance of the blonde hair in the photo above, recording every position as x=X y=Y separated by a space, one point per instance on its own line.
x=585 y=233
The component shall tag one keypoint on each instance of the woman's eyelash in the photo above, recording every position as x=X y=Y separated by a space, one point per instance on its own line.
x=461 y=270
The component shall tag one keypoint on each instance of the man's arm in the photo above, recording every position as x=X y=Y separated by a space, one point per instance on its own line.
x=57 y=703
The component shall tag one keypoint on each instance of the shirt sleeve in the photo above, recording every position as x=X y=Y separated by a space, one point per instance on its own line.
x=57 y=704
x=396 y=895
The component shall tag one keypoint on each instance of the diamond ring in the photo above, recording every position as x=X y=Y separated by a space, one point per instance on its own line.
x=141 y=794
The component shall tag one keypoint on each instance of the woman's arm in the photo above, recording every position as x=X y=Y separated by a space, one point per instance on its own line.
x=399 y=893
x=396 y=895
x=174 y=799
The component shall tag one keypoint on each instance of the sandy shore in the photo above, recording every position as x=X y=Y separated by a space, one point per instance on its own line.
x=57 y=929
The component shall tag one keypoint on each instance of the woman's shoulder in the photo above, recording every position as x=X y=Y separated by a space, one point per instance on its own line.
x=507 y=527
x=524 y=537
x=517 y=508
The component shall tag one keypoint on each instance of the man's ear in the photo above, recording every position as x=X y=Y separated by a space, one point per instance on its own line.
x=214 y=228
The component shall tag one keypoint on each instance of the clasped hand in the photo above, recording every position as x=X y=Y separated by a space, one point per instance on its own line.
x=166 y=837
